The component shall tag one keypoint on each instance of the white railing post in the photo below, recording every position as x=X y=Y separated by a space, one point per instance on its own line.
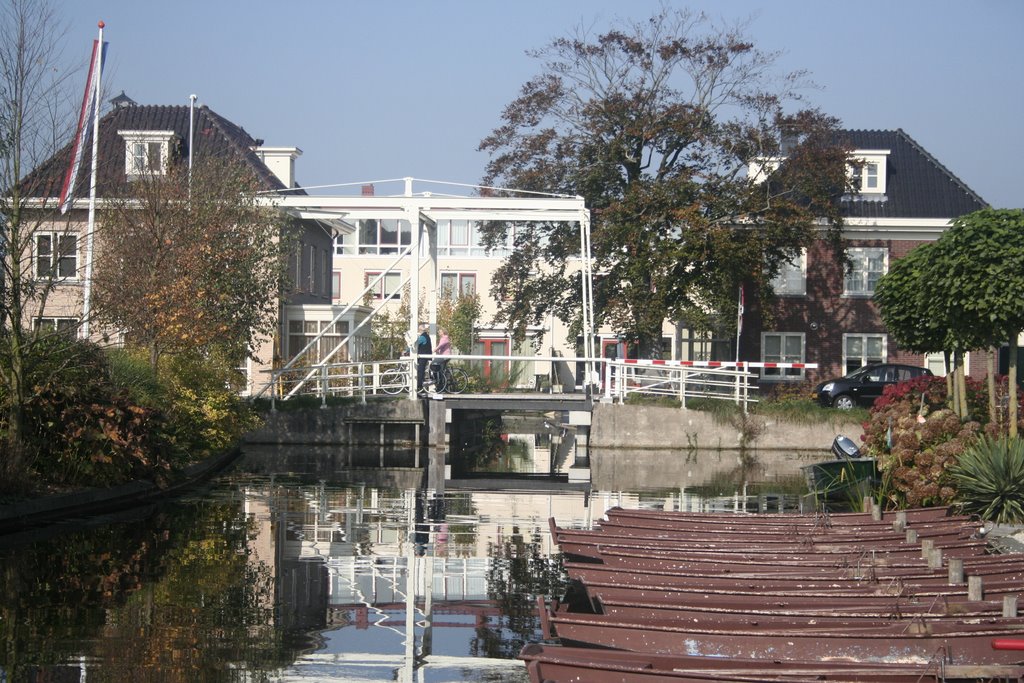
x=362 y=383
x=323 y=386
x=274 y=374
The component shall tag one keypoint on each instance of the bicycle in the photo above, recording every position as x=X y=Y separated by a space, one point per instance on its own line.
x=451 y=380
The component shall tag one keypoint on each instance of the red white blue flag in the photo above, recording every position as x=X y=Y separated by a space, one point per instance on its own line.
x=89 y=101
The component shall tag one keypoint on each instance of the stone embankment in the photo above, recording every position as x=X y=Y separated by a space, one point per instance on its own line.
x=646 y=427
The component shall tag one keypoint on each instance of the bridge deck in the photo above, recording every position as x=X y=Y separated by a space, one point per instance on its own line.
x=540 y=401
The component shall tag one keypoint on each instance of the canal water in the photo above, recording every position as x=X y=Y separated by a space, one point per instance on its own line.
x=306 y=564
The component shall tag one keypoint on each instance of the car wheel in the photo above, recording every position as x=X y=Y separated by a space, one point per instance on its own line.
x=843 y=402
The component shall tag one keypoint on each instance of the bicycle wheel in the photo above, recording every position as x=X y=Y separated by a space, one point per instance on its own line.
x=393 y=381
x=457 y=380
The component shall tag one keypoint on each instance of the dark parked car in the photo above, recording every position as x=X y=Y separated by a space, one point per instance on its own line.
x=863 y=385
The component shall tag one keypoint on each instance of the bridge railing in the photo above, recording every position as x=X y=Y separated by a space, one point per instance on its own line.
x=720 y=380
x=614 y=379
x=360 y=379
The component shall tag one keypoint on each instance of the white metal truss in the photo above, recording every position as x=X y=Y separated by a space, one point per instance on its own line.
x=422 y=210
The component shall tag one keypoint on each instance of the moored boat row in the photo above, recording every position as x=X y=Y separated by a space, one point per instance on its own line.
x=663 y=596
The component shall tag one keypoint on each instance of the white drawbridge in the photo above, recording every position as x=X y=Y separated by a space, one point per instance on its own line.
x=422 y=210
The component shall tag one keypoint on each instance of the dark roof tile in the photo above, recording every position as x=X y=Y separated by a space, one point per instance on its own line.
x=214 y=135
x=916 y=184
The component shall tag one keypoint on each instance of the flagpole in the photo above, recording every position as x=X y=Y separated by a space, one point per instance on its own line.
x=739 y=324
x=87 y=283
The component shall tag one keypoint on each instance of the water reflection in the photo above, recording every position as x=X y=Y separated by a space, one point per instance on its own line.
x=315 y=563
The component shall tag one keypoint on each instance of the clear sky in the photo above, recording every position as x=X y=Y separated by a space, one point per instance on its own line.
x=382 y=89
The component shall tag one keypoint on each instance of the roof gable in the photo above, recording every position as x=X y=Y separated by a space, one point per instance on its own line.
x=213 y=136
x=916 y=184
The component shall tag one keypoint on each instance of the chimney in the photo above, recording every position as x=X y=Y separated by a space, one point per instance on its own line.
x=789 y=141
x=281 y=162
x=368 y=190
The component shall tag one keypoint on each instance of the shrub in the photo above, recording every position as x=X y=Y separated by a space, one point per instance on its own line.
x=989 y=478
x=80 y=427
x=206 y=415
x=916 y=439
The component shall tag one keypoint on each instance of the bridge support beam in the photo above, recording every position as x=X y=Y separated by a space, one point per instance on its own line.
x=437 y=445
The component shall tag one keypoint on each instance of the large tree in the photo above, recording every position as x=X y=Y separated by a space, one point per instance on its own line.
x=963 y=292
x=35 y=89
x=191 y=259
x=658 y=125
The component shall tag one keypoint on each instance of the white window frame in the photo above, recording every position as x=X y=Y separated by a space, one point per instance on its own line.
x=389 y=287
x=336 y=285
x=781 y=282
x=865 y=358
x=302 y=331
x=783 y=374
x=860 y=274
x=146 y=142
x=936 y=362
x=869 y=178
x=462 y=281
x=55 y=257
x=376 y=246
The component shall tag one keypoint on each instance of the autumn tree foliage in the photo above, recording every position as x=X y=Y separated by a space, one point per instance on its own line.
x=657 y=125
x=190 y=260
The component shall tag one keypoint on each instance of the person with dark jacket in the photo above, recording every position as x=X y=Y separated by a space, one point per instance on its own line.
x=423 y=349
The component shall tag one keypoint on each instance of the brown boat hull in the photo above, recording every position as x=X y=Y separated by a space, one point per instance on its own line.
x=868 y=645
x=559 y=664
x=588 y=572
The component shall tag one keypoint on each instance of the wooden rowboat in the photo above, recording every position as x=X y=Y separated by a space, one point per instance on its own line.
x=762 y=618
x=923 y=529
x=963 y=644
x=676 y=595
x=589 y=571
x=587 y=545
x=831 y=519
x=767 y=542
x=560 y=664
x=711 y=565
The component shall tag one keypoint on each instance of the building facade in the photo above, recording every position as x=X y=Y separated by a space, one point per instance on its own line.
x=824 y=312
x=136 y=140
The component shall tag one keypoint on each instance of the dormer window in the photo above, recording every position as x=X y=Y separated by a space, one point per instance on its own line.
x=867 y=173
x=147 y=152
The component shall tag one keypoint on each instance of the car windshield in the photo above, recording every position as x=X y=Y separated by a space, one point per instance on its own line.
x=860 y=372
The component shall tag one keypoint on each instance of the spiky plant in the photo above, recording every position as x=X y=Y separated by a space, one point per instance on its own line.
x=989 y=478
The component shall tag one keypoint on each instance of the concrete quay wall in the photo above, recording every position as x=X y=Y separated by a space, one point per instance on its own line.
x=647 y=427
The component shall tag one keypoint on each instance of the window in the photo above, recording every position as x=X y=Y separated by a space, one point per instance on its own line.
x=792 y=277
x=494 y=370
x=867 y=266
x=65 y=326
x=301 y=267
x=388 y=287
x=862 y=349
x=459 y=237
x=325 y=273
x=383 y=236
x=56 y=255
x=302 y=332
x=315 y=283
x=147 y=152
x=336 y=285
x=782 y=347
x=867 y=175
x=454 y=285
